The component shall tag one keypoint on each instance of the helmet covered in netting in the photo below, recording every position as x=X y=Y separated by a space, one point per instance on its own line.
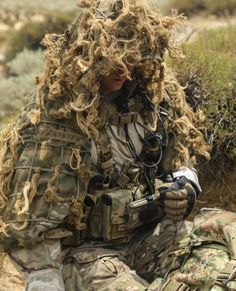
x=101 y=39
x=106 y=38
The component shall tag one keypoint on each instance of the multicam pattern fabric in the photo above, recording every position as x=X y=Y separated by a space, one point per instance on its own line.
x=203 y=267
x=162 y=257
x=211 y=264
x=48 y=279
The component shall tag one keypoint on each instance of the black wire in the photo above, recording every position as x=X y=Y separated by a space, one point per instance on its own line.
x=164 y=130
x=158 y=138
x=133 y=151
x=155 y=134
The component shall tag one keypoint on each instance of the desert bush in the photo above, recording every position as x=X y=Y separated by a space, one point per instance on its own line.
x=209 y=74
x=31 y=33
x=216 y=7
x=26 y=62
x=15 y=90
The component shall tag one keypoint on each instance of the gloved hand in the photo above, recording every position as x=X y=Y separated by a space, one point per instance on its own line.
x=178 y=198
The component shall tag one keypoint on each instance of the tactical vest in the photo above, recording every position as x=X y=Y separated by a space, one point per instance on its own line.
x=118 y=177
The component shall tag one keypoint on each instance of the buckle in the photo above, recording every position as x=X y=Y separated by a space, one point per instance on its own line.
x=123 y=180
x=122 y=119
x=173 y=285
x=106 y=165
x=106 y=182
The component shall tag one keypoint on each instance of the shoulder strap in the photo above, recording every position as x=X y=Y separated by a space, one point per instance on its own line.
x=122 y=119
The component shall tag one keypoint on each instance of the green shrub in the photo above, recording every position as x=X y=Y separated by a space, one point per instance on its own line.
x=216 y=7
x=26 y=62
x=15 y=89
x=31 y=33
x=209 y=70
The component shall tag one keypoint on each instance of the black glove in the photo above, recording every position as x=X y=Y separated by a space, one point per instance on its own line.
x=178 y=198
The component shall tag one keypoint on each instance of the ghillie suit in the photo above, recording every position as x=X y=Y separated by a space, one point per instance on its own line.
x=76 y=159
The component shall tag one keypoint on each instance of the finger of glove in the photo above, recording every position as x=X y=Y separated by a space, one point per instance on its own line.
x=159 y=184
x=180 y=194
x=176 y=204
x=175 y=212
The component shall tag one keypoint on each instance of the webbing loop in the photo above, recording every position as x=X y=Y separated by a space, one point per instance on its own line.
x=173 y=285
x=122 y=119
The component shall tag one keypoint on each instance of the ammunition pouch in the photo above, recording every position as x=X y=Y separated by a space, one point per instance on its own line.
x=111 y=217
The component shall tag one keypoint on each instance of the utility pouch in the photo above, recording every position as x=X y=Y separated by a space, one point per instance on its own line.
x=115 y=214
x=113 y=218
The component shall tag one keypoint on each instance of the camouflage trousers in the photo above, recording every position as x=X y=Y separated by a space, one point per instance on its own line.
x=198 y=255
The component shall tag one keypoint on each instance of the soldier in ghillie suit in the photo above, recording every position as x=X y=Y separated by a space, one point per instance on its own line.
x=98 y=173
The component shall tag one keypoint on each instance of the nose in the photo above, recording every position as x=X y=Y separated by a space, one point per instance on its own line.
x=120 y=71
x=130 y=67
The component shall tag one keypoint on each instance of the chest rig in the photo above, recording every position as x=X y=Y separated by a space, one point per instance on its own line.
x=113 y=186
x=133 y=107
x=111 y=173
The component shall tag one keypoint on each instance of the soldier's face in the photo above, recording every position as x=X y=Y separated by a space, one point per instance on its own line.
x=114 y=81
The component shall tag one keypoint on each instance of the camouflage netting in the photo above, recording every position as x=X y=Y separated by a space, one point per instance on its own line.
x=100 y=41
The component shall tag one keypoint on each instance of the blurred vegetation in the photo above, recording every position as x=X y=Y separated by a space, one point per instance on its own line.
x=206 y=7
x=31 y=33
x=15 y=90
x=37 y=6
x=21 y=51
x=209 y=71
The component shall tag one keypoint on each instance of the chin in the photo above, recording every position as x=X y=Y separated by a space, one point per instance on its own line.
x=117 y=86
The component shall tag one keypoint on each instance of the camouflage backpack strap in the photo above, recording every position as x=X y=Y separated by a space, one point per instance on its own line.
x=105 y=157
